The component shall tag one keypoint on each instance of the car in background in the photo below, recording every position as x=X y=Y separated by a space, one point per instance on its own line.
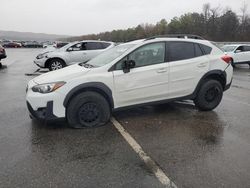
x=32 y=44
x=71 y=53
x=240 y=53
x=12 y=45
x=2 y=54
x=143 y=72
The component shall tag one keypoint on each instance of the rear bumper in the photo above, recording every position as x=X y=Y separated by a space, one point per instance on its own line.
x=228 y=86
x=43 y=114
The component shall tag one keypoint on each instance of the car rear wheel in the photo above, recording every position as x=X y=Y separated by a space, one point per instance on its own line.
x=56 y=64
x=209 y=96
x=88 y=109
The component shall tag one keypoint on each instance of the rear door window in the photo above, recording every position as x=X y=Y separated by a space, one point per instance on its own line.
x=246 y=48
x=180 y=51
x=94 y=46
x=198 y=51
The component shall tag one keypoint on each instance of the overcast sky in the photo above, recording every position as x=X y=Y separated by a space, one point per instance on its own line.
x=77 y=17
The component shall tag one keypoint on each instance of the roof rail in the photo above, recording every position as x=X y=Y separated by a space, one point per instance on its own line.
x=184 y=36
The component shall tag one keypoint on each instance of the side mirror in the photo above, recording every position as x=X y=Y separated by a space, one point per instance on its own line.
x=127 y=65
x=237 y=51
x=70 y=49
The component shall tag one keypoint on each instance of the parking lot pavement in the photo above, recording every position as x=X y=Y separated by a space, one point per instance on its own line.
x=194 y=149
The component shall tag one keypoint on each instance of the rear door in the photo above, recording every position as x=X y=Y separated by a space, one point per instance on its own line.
x=188 y=63
x=246 y=52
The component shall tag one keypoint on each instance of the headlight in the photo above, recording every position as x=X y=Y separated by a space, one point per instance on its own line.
x=47 y=88
x=40 y=56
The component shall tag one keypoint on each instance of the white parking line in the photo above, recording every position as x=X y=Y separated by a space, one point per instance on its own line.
x=161 y=176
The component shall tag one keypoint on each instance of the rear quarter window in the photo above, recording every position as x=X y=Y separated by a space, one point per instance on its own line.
x=206 y=49
x=105 y=45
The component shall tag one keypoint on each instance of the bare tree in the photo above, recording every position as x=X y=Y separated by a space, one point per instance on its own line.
x=244 y=9
x=206 y=11
x=215 y=11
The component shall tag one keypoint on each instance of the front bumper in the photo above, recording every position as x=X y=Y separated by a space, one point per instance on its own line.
x=45 y=106
x=228 y=85
x=40 y=62
x=43 y=114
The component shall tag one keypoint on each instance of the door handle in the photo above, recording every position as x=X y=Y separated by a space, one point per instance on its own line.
x=84 y=53
x=162 y=70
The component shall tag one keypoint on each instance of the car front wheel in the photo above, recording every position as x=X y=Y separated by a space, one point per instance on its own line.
x=88 y=109
x=209 y=95
x=56 y=64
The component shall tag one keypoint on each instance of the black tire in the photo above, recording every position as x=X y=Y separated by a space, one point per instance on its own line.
x=88 y=109
x=56 y=64
x=209 y=95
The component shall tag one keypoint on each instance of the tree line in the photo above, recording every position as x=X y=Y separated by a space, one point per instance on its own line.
x=214 y=23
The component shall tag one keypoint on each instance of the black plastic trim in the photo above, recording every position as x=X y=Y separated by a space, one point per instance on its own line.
x=91 y=86
x=220 y=73
x=43 y=114
x=188 y=97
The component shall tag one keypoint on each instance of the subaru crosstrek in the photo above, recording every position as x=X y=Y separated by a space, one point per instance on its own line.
x=143 y=72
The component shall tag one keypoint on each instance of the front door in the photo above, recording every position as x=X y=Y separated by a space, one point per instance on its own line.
x=78 y=53
x=147 y=81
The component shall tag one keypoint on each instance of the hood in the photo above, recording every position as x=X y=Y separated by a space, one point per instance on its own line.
x=48 y=50
x=64 y=74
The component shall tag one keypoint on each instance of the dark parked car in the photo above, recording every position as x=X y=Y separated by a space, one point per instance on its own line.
x=2 y=54
x=33 y=45
x=12 y=45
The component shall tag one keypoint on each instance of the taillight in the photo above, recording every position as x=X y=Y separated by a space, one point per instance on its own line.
x=227 y=59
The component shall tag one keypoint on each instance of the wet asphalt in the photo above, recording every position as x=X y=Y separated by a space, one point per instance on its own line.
x=194 y=149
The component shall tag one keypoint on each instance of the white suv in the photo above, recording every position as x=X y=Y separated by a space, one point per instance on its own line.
x=142 y=72
x=72 y=53
x=240 y=53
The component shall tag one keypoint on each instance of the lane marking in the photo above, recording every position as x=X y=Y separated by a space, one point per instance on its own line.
x=232 y=100
x=158 y=172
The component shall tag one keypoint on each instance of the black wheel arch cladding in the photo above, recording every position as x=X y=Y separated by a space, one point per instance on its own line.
x=98 y=87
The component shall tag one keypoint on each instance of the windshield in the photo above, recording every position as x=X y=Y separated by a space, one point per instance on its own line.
x=109 y=55
x=229 y=48
x=68 y=45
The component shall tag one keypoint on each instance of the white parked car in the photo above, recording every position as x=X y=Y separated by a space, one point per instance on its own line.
x=142 y=72
x=240 y=53
x=72 y=53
